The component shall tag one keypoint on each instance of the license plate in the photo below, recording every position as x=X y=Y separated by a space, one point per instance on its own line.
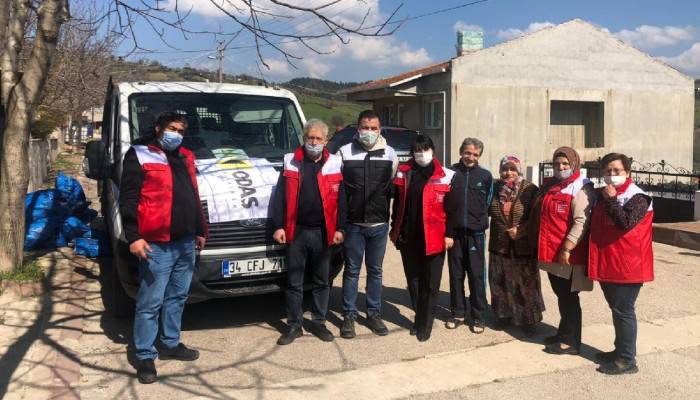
x=254 y=266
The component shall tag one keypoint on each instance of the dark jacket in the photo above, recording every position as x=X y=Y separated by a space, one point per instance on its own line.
x=186 y=216
x=499 y=240
x=368 y=181
x=472 y=194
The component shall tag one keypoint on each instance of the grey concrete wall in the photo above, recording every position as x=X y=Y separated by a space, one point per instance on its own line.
x=502 y=95
x=39 y=163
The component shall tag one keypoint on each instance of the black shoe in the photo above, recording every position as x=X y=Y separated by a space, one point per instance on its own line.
x=528 y=330
x=375 y=324
x=553 y=339
x=291 y=335
x=606 y=356
x=413 y=330
x=618 y=367
x=477 y=327
x=321 y=332
x=179 y=352
x=146 y=371
x=556 y=348
x=347 y=331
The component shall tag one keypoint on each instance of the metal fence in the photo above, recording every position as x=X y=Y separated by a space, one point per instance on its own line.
x=673 y=189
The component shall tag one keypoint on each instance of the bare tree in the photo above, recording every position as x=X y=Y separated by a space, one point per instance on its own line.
x=23 y=79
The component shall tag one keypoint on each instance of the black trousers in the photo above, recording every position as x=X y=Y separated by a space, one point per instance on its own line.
x=570 y=321
x=423 y=275
x=466 y=259
x=308 y=243
x=621 y=298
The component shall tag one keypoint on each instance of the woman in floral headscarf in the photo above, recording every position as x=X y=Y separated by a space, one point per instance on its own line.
x=516 y=296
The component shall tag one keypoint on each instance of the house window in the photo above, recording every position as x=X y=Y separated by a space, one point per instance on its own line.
x=389 y=114
x=433 y=114
x=579 y=124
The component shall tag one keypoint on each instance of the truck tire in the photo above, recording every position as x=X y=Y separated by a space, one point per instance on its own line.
x=121 y=305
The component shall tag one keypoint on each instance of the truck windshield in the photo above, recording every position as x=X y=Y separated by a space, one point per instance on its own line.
x=223 y=125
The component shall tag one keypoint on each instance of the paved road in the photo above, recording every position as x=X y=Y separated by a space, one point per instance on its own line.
x=240 y=359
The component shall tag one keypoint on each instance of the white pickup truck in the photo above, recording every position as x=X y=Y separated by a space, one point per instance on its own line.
x=239 y=135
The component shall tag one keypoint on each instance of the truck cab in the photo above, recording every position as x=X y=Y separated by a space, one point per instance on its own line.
x=239 y=135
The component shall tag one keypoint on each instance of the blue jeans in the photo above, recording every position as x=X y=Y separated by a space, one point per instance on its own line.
x=621 y=298
x=164 y=282
x=371 y=243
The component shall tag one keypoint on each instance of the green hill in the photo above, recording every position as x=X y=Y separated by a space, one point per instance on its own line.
x=318 y=98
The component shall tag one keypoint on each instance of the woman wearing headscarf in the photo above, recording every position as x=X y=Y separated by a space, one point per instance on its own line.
x=621 y=257
x=562 y=247
x=514 y=278
x=419 y=229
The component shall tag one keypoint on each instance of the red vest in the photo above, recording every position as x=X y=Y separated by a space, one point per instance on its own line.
x=619 y=256
x=556 y=220
x=329 y=179
x=156 y=197
x=434 y=218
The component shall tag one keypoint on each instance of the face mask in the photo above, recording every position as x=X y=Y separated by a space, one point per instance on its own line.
x=565 y=174
x=423 y=158
x=368 y=138
x=615 y=180
x=170 y=140
x=313 y=150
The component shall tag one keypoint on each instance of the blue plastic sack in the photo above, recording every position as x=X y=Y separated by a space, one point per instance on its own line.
x=70 y=193
x=73 y=227
x=43 y=204
x=59 y=240
x=40 y=233
x=87 y=247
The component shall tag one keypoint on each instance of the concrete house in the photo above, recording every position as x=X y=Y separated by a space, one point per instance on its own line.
x=573 y=84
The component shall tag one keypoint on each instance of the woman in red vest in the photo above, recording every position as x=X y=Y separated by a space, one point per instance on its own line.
x=419 y=229
x=621 y=256
x=562 y=246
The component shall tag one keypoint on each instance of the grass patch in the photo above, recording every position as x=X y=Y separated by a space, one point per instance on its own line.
x=30 y=271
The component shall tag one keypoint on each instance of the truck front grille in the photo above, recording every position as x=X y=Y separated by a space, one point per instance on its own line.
x=233 y=234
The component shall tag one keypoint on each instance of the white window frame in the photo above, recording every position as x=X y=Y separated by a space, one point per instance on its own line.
x=432 y=118
x=399 y=114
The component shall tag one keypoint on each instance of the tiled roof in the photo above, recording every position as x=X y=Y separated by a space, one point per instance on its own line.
x=386 y=82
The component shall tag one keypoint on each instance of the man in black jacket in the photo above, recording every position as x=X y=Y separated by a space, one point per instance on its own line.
x=369 y=165
x=307 y=213
x=164 y=225
x=472 y=193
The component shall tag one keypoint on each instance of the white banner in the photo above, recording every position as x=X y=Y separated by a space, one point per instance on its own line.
x=236 y=189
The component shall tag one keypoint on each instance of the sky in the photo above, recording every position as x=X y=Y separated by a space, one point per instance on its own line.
x=668 y=30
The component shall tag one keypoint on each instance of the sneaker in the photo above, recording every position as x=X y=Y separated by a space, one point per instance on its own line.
x=290 y=336
x=375 y=324
x=321 y=332
x=146 y=371
x=618 y=367
x=179 y=352
x=347 y=331
x=606 y=356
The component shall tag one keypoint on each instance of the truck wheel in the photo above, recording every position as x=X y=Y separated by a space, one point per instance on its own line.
x=118 y=303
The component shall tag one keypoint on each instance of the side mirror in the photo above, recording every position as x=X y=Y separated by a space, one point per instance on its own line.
x=94 y=162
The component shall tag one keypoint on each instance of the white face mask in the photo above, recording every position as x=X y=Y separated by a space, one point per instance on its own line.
x=565 y=174
x=423 y=158
x=615 y=180
x=368 y=138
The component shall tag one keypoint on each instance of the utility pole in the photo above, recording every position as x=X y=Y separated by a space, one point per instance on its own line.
x=220 y=56
x=220 y=48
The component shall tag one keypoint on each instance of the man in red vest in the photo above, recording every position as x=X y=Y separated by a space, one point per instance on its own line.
x=620 y=256
x=164 y=225
x=308 y=211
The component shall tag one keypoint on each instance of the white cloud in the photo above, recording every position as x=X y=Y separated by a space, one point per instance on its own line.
x=688 y=61
x=512 y=33
x=650 y=37
x=278 y=68
x=463 y=26
x=315 y=68
x=384 y=52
